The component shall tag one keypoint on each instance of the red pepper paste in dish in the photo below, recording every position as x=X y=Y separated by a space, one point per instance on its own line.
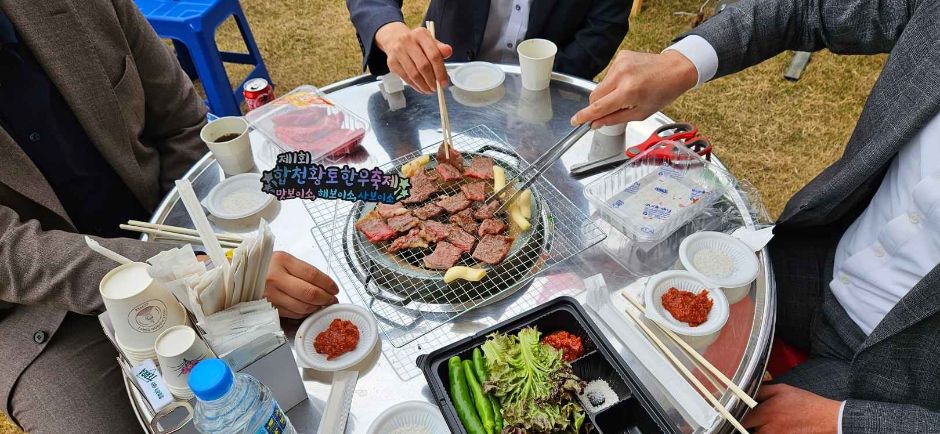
x=339 y=338
x=569 y=345
x=688 y=307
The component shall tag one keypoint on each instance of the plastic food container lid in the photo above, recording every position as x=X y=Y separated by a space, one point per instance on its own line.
x=306 y=120
x=478 y=77
x=414 y=417
x=657 y=192
x=745 y=264
x=318 y=322
x=238 y=197
x=684 y=281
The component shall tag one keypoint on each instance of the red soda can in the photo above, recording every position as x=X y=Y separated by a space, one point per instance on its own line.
x=258 y=92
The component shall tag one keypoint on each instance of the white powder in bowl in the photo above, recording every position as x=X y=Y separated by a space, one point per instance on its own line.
x=241 y=200
x=713 y=263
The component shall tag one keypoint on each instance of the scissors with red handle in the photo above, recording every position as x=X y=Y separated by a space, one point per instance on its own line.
x=680 y=132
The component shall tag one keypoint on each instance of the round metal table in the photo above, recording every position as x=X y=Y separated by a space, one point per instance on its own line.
x=530 y=122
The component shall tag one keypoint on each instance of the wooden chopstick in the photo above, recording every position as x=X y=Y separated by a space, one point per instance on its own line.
x=174 y=235
x=698 y=358
x=688 y=375
x=441 y=102
x=185 y=231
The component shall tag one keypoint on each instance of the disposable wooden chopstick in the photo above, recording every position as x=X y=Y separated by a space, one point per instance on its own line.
x=174 y=235
x=688 y=375
x=186 y=231
x=442 y=103
x=698 y=358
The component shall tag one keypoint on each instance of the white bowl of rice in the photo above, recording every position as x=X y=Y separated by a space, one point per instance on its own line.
x=722 y=261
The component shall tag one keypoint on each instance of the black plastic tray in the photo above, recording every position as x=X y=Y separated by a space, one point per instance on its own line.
x=635 y=413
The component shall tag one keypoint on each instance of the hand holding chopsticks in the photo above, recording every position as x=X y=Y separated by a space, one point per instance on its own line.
x=445 y=120
x=686 y=373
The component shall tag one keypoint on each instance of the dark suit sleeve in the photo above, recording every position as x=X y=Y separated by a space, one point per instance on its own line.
x=55 y=267
x=596 y=42
x=751 y=31
x=368 y=16
x=174 y=112
x=870 y=417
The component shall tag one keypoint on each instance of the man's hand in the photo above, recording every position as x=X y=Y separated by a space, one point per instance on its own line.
x=636 y=86
x=297 y=288
x=414 y=55
x=787 y=409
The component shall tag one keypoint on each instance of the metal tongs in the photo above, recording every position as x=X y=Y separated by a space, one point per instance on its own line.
x=540 y=165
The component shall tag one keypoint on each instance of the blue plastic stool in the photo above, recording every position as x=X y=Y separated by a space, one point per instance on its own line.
x=191 y=24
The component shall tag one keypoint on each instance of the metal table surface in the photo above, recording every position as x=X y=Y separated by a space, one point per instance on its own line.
x=530 y=122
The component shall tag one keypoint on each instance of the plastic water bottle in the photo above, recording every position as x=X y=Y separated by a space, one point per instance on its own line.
x=230 y=403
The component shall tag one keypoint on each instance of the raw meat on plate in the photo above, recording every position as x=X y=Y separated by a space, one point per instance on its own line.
x=445 y=255
x=492 y=249
x=373 y=226
x=454 y=204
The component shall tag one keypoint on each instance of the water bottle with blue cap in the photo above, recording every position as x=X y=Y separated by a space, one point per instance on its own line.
x=232 y=403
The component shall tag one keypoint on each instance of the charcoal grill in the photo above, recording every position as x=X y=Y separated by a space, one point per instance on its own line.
x=408 y=300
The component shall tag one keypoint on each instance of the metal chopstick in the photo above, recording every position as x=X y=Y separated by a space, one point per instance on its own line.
x=540 y=165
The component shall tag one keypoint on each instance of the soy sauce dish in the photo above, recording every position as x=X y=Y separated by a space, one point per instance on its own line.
x=600 y=393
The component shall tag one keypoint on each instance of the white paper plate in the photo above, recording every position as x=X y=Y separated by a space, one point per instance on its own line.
x=238 y=197
x=318 y=322
x=416 y=417
x=746 y=266
x=478 y=77
x=701 y=335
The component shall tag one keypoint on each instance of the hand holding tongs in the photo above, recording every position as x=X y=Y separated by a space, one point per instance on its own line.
x=684 y=133
x=540 y=165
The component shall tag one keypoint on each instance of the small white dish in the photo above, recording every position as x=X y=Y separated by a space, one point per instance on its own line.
x=478 y=77
x=414 y=417
x=318 y=322
x=700 y=336
x=238 y=197
x=735 y=283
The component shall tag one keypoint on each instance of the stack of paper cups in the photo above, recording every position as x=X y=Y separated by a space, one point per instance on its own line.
x=140 y=309
x=179 y=349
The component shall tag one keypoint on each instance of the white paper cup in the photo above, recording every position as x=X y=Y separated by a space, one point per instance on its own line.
x=613 y=130
x=736 y=284
x=178 y=350
x=536 y=59
x=140 y=308
x=233 y=155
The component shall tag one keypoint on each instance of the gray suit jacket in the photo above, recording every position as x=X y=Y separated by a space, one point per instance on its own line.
x=891 y=378
x=140 y=111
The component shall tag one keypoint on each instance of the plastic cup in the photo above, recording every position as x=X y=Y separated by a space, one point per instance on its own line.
x=228 y=140
x=536 y=59
x=140 y=308
x=178 y=350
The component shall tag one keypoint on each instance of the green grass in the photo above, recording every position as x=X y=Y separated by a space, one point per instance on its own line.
x=775 y=133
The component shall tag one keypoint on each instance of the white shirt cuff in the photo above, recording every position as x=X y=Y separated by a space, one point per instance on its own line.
x=841 y=409
x=700 y=53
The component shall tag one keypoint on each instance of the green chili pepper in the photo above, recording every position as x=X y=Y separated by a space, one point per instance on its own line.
x=479 y=366
x=497 y=415
x=460 y=396
x=483 y=405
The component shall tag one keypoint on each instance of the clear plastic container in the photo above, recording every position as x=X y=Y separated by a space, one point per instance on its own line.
x=228 y=403
x=306 y=120
x=657 y=192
